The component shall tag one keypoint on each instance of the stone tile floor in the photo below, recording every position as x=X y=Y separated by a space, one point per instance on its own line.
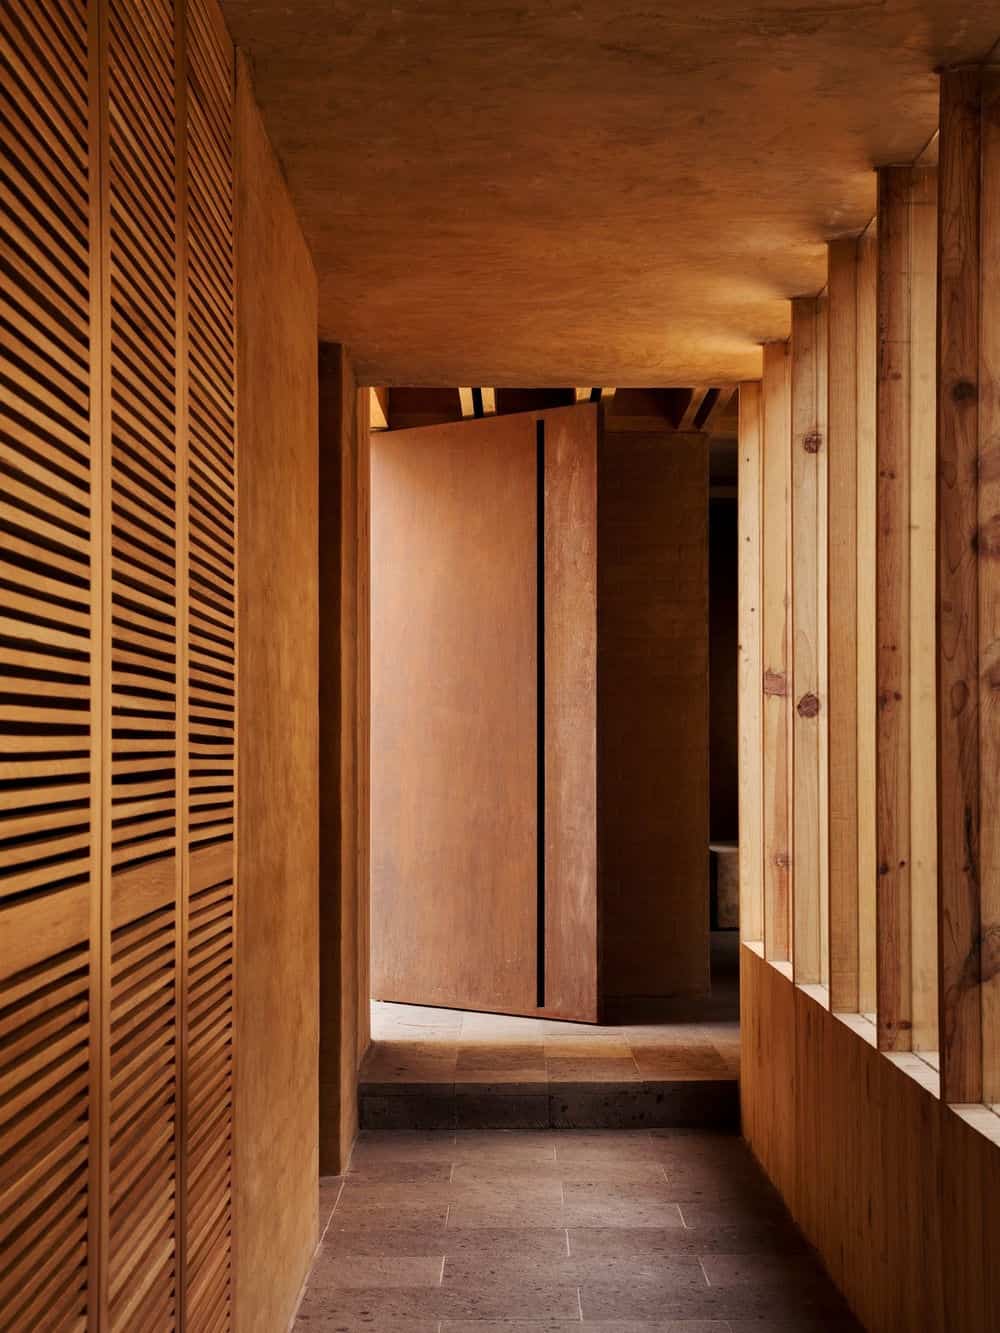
x=605 y=1231
x=413 y=1044
x=449 y=1069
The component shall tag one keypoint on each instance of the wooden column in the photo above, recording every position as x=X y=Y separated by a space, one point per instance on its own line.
x=865 y=566
x=343 y=553
x=808 y=605
x=751 y=845
x=842 y=464
x=776 y=651
x=969 y=584
x=892 y=611
x=922 y=561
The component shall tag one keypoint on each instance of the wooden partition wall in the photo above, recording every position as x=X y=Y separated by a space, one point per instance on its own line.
x=871 y=1059
x=118 y=651
x=652 y=715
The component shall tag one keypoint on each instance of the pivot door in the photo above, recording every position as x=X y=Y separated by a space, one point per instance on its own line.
x=484 y=890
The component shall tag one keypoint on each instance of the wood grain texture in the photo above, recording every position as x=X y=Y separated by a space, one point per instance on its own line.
x=989 y=586
x=344 y=982
x=145 y=626
x=892 y=613
x=842 y=593
x=958 y=434
x=490 y=281
x=653 y=713
x=751 y=744
x=867 y=690
x=275 y=1166
x=571 y=873
x=51 y=668
x=923 y=608
x=776 y=651
x=893 y=1187
x=808 y=444
x=454 y=809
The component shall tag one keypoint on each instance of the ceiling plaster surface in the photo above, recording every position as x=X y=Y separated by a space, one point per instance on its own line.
x=576 y=192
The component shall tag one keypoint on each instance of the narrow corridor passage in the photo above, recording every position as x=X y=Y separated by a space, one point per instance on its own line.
x=649 y=1231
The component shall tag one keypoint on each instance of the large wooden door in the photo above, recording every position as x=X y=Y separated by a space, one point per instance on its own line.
x=484 y=714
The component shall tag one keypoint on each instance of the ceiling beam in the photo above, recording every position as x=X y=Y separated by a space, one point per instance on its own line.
x=695 y=403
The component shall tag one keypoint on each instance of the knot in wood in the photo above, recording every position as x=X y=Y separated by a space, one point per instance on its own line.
x=808 y=706
x=774 y=684
x=813 y=442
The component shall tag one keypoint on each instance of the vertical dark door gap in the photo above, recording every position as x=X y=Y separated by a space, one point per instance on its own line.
x=540 y=741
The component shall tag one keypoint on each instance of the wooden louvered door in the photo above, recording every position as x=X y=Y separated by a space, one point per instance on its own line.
x=143 y=807
x=211 y=668
x=117 y=665
x=49 y=740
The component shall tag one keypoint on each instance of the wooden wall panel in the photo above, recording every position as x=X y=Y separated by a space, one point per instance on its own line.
x=776 y=651
x=276 y=1037
x=344 y=888
x=652 y=692
x=751 y=743
x=570 y=525
x=50 y=661
x=894 y=1188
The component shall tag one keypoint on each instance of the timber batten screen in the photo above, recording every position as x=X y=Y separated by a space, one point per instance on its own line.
x=117 y=652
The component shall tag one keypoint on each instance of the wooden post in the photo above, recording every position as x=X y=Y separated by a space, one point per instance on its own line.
x=751 y=847
x=842 y=447
x=777 y=722
x=923 y=731
x=865 y=566
x=968 y=585
x=807 y=443
x=892 y=611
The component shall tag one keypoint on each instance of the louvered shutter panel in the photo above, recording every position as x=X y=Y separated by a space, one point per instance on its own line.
x=48 y=820
x=141 y=611
x=211 y=692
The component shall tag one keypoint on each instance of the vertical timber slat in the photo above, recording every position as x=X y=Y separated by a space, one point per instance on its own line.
x=923 y=521
x=751 y=842
x=842 y=592
x=958 y=689
x=989 y=584
x=867 y=482
x=807 y=444
x=892 y=618
x=775 y=679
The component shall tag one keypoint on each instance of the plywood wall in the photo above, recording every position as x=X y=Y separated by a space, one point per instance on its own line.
x=652 y=690
x=276 y=1164
x=344 y=744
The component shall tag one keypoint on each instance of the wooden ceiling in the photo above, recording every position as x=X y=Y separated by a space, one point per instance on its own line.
x=575 y=190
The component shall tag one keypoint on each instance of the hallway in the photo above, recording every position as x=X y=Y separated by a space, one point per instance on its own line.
x=662 y=1231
